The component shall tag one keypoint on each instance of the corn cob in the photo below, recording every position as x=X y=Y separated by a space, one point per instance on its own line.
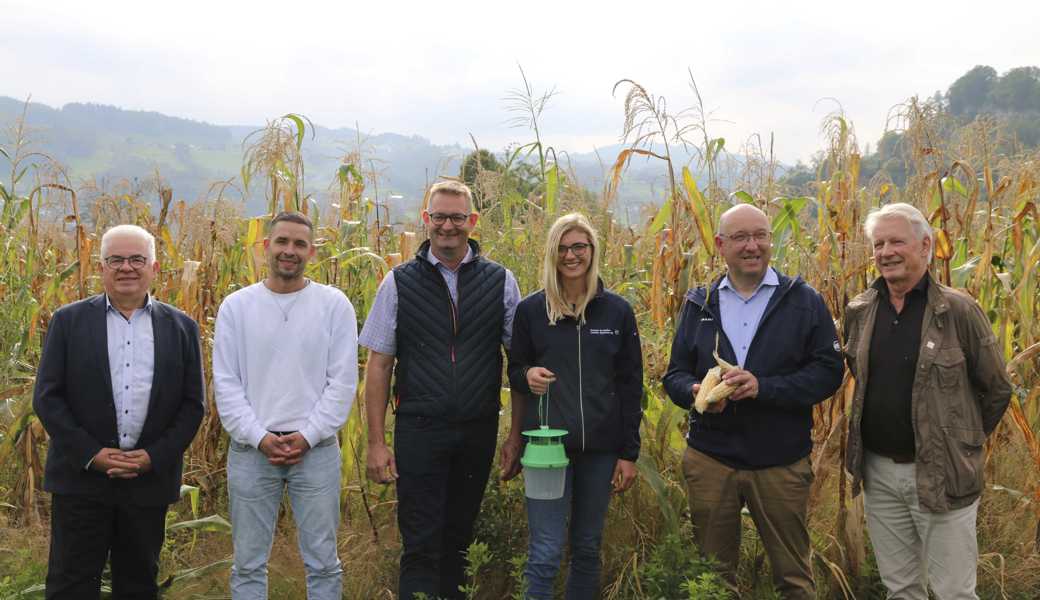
x=713 y=389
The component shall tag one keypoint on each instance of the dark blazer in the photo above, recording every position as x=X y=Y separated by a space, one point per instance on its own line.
x=73 y=399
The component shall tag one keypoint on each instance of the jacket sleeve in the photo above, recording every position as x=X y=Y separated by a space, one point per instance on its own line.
x=628 y=383
x=169 y=449
x=819 y=375
x=521 y=351
x=986 y=368
x=847 y=324
x=50 y=401
x=679 y=379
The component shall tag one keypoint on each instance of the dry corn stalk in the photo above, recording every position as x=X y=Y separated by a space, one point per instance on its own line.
x=713 y=389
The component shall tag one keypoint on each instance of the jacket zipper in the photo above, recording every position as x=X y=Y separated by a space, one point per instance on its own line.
x=454 y=326
x=581 y=399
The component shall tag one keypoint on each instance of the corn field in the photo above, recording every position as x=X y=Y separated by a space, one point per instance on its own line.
x=978 y=189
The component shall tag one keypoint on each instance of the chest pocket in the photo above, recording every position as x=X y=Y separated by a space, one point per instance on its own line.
x=948 y=367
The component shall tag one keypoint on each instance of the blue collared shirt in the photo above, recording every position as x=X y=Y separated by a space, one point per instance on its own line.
x=741 y=316
x=380 y=330
x=131 y=361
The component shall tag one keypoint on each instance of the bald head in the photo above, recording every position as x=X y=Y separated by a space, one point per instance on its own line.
x=743 y=242
x=743 y=216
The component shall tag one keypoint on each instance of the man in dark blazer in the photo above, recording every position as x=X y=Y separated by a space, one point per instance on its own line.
x=120 y=391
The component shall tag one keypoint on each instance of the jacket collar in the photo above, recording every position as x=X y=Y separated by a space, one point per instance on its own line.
x=770 y=278
x=701 y=296
x=933 y=292
x=147 y=302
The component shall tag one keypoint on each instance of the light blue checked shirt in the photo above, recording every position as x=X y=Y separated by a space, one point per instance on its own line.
x=740 y=316
x=380 y=330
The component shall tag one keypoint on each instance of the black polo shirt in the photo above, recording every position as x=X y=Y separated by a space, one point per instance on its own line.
x=887 y=425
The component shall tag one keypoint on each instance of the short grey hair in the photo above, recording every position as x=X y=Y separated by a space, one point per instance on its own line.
x=128 y=231
x=908 y=213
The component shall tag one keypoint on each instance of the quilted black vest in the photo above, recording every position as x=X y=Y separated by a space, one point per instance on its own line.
x=449 y=357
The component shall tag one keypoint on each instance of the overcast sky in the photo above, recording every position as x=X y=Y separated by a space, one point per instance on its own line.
x=441 y=69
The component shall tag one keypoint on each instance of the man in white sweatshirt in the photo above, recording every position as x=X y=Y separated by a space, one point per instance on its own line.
x=285 y=372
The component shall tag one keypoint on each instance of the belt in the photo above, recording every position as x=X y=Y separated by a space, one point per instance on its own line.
x=281 y=433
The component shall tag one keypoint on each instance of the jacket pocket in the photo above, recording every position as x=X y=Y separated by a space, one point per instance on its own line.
x=949 y=367
x=963 y=461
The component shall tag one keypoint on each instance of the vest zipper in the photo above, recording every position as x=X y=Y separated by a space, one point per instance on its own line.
x=454 y=327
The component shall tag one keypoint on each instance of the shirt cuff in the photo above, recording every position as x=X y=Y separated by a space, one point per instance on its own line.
x=256 y=437
x=310 y=434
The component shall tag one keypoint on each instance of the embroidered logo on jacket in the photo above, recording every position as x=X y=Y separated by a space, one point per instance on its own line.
x=604 y=332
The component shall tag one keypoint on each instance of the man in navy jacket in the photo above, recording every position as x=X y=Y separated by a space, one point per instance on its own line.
x=753 y=449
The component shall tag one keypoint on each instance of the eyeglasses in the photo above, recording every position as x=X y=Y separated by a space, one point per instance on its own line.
x=440 y=218
x=136 y=261
x=578 y=249
x=742 y=237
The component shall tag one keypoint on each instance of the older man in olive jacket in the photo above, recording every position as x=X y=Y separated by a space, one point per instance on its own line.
x=930 y=387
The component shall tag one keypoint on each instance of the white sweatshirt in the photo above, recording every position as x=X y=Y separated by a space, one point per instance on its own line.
x=285 y=362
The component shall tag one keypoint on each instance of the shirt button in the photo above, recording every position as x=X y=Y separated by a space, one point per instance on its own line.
x=128 y=364
x=126 y=412
x=126 y=387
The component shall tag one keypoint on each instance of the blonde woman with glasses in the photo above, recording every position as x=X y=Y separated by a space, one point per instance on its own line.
x=577 y=343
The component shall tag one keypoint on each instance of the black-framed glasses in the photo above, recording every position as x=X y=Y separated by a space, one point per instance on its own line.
x=136 y=261
x=743 y=237
x=578 y=249
x=439 y=218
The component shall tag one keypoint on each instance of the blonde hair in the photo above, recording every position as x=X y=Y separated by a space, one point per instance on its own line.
x=555 y=305
x=453 y=188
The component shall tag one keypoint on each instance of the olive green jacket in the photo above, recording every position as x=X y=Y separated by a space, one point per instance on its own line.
x=959 y=395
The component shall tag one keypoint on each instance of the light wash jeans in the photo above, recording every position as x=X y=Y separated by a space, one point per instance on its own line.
x=916 y=549
x=586 y=495
x=255 y=488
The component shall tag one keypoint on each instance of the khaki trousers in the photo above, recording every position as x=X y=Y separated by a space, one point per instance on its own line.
x=776 y=497
x=916 y=549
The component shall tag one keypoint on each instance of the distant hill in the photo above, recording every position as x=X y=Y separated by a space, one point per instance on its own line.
x=1011 y=100
x=106 y=143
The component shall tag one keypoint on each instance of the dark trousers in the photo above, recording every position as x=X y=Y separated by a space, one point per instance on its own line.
x=85 y=532
x=443 y=469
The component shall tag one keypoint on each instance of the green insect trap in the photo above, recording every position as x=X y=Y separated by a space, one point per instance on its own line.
x=544 y=460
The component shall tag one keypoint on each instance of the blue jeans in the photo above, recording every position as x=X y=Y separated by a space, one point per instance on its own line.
x=255 y=487
x=586 y=495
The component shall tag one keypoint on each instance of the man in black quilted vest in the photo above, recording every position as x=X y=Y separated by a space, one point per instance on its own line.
x=442 y=319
